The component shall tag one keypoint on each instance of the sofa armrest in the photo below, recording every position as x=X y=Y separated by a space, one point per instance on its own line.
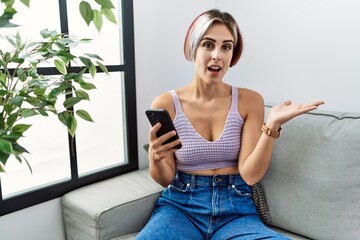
x=111 y=208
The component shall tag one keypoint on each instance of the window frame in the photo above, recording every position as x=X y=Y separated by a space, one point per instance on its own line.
x=41 y=195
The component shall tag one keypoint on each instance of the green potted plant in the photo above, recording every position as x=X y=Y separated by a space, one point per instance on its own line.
x=25 y=93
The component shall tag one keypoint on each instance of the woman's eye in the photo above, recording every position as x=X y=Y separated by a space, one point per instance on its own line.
x=208 y=45
x=227 y=47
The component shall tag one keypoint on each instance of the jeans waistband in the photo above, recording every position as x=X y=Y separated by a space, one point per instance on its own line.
x=215 y=180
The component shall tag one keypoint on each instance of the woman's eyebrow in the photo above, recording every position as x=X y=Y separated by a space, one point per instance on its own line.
x=213 y=40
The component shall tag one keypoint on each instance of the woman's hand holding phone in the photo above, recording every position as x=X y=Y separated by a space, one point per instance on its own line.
x=163 y=139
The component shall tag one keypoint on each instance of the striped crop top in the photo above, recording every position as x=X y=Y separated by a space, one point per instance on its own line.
x=200 y=154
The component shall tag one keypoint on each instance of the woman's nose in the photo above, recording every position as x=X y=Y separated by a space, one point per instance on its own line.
x=216 y=55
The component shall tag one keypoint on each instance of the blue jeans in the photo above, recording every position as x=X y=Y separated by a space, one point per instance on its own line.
x=197 y=207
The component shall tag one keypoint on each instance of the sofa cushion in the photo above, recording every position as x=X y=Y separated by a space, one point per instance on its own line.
x=313 y=181
x=110 y=208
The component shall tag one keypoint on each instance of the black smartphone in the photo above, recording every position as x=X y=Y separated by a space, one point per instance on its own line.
x=162 y=116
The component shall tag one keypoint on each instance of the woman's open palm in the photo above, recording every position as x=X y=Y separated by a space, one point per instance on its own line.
x=287 y=110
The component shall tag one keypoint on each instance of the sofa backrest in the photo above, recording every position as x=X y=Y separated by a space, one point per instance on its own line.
x=313 y=181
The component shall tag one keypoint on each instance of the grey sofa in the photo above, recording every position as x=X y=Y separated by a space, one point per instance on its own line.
x=312 y=187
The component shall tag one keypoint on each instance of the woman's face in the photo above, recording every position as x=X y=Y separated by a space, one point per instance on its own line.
x=213 y=56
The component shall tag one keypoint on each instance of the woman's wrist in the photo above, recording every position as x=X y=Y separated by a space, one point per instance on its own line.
x=274 y=130
x=272 y=123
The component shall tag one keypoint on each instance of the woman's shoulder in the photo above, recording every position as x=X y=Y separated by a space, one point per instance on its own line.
x=164 y=101
x=248 y=95
x=249 y=101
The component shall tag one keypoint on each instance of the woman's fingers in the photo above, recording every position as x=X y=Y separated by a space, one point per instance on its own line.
x=287 y=110
x=153 y=131
x=310 y=106
x=286 y=103
x=158 y=149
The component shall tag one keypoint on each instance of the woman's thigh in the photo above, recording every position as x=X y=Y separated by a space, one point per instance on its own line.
x=243 y=228
x=168 y=223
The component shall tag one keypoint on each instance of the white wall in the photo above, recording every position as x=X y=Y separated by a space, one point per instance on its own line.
x=299 y=50
x=40 y=222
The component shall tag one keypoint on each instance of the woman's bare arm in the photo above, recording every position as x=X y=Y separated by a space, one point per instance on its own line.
x=161 y=157
x=256 y=146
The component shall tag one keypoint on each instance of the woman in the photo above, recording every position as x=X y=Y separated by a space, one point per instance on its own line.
x=226 y=147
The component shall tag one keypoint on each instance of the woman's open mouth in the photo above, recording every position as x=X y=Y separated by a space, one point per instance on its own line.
x=214 y=68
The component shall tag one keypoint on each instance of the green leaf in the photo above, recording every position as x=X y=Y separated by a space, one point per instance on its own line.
x=82 y=94
x=26 y=2
x=17 y=101
x=109 y=14
x=66 y=55
x=69 y=121
x=43 y=112
x=28 y=113
x=8 y=14
x=11 y=40
x=64 y=117
x=39 y=91
x=105 y=3
x=36 y=102
x=73 y=126
x=91 y=55
x=18 y=60
x=18 y=41
x=52 y=52
x=86 y=85
x=19 y=149
x=21 y=74
x=66 y=41
x=12 y=119
x=92 y=70
x=60 y=66
x=19 y=156
x=61 y=88
x=12 y=137
x=86 y=40
x=8 y=108
x=71 y=101
x=20 y=128
x=3 y=157
x=45 y=33
x=84 y=115
x=32 y=72
x=98 y=21
x=3 y=79
x=31 y=44
x=6 y=146
x=3 y=92
x=86 y=61
x=69 y=76
x=86 y=12
x=80 y=74
x=2 y=169
x=102 y=67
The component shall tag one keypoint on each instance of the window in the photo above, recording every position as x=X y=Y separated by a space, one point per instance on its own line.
x=99 y=150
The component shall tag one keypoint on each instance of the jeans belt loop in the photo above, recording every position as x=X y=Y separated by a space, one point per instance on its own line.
x=231 y=181
x=193 y=181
